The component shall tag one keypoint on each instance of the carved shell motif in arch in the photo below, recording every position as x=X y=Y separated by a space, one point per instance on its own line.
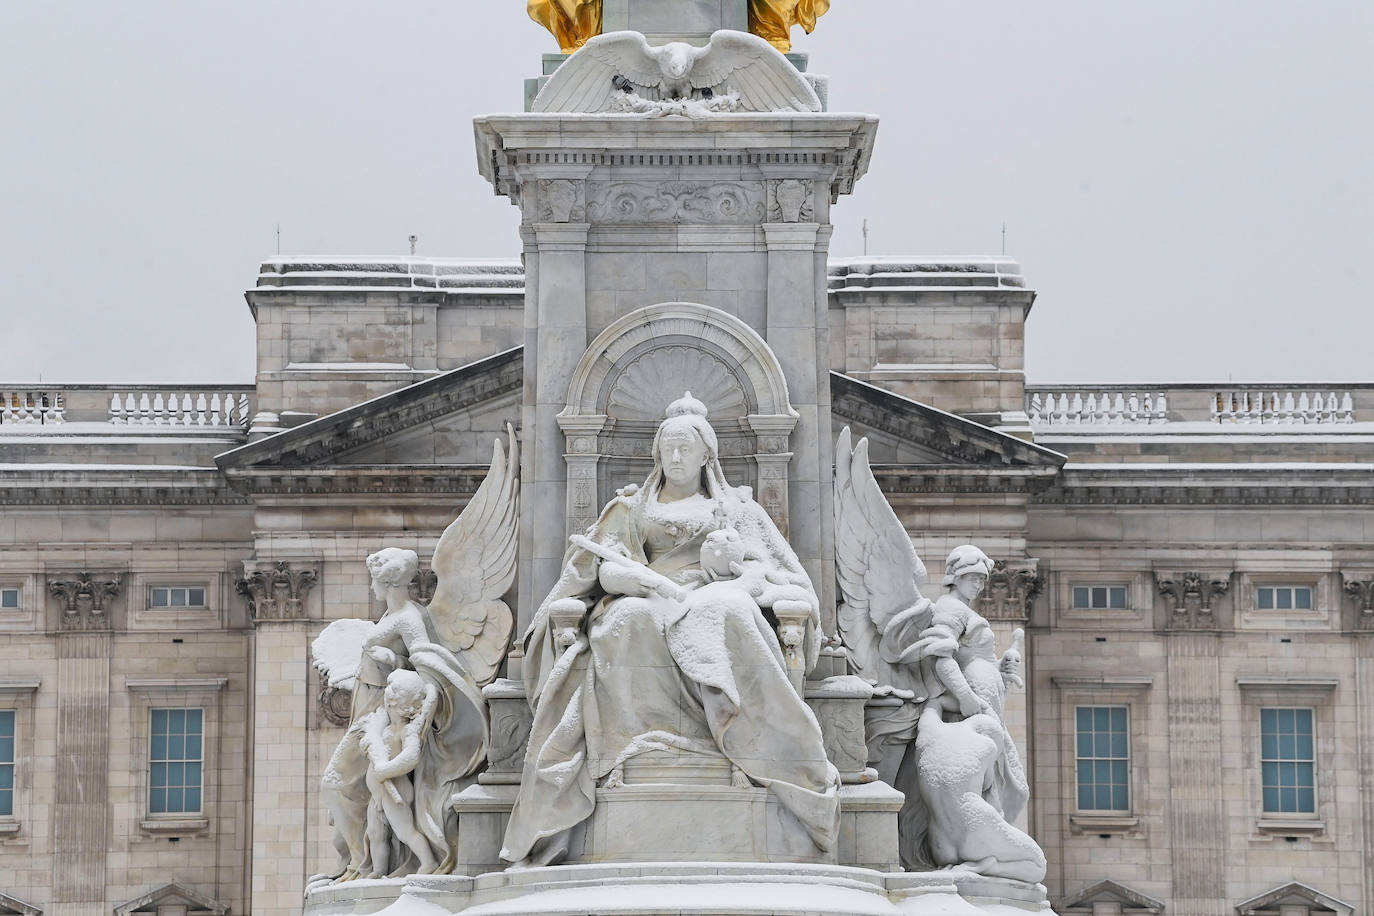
x=657 y=378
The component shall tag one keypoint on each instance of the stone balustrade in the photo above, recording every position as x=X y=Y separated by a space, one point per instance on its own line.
x=1209 y=403
x=184 y=406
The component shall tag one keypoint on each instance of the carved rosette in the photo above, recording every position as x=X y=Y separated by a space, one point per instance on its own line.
x=718 y=202
x=276 y=591
x=1361 y=592
x=336 y=704
x=1189 y=597
x=562 y=200
x=791 y=200
x=1011 y=590
x=84 y=597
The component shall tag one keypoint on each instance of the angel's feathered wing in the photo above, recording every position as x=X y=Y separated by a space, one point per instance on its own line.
x=583 y=82
x=876 y=568
x=764 y=79
x=475 y=565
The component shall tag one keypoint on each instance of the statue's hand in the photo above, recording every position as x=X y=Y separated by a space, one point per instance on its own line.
x=624 y=579
x=772 y=594
x=382 y=655
x=1010 y=664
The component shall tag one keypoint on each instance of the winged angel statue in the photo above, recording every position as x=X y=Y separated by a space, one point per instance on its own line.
x=622 y=72
x=945 y=745
x=418 y=730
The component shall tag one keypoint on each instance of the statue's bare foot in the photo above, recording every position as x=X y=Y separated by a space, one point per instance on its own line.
x=739 y=779
x=615 y=779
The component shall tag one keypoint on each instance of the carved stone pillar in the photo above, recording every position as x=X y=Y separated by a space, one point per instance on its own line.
x=772 y=458
x=1189 y=596
x=276 y=593
x=81 y=827
x=582 y=457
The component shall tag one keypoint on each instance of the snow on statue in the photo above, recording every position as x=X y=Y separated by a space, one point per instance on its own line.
x=418 y=730
x=941 y=659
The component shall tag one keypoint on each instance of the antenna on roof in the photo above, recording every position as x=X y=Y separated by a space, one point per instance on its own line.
x=278 y=238
x=865 y=231
x=413 y=240
x=1004 y=238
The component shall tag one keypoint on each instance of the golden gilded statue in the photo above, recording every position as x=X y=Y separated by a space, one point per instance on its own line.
x=572 y=22
x=772 y=20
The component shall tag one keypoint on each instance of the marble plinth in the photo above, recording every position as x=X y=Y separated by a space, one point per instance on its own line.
x=654 y=888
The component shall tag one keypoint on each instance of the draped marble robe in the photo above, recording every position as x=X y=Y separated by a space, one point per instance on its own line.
x=702 y=676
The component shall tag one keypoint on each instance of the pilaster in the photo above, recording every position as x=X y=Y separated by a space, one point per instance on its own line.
x=81 y=824
x=1364 y=715
x=1197 y=828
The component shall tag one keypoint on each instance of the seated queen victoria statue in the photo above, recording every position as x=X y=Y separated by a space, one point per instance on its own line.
x=653 y=658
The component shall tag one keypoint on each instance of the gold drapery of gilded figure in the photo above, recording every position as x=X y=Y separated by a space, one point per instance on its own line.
x=772 y=20
x=572 y=22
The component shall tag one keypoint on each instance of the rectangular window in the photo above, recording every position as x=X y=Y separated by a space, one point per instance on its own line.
x=174 y=761
x=1287 y=761
x=7 y=718
x=1100 y=597
x=177 y=596
x=1284 y=597
x=1104 y=760
x=9 y=598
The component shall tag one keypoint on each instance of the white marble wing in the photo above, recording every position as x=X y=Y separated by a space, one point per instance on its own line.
x=763 y=77
x=474 y=562
x=876 y=568
x=338 y=649
x=583 y=82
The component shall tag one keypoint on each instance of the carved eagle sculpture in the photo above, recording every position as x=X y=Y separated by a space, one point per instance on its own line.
x=878 y=573
x=623 y=62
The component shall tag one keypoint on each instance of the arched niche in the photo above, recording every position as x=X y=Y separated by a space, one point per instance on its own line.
x=647 y=359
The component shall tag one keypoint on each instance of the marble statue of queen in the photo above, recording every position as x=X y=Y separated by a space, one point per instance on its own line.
x=673 y=658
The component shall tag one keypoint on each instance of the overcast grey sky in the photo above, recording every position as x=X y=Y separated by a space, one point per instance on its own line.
x=1188 y=184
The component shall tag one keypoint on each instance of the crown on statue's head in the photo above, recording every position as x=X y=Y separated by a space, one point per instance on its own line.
x=685 y=405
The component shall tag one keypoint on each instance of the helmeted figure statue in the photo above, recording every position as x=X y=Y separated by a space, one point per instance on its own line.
x=940 y=659
x=671 y=654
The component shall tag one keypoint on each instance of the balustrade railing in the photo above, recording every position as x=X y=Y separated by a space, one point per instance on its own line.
x=177 y=406
x=1290 y=405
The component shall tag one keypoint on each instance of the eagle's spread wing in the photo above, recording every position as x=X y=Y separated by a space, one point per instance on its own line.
x=876 y=567
x=475 y=565
x=764 y=79
x=583 y=82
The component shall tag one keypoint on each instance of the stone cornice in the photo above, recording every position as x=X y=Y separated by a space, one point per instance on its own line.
x=128 y=486
x=320 y=440
x=1223 y=485
x=967 y=445
x=360 y=480
x=923 y=479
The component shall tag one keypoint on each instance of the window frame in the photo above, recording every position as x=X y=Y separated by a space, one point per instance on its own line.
x=144 y=615
x=17 y=693
x=1090 y=586
x=1324 y=614
x=1293 y=589
x=170 y=588
x=148 y=694
x=1280 y=760
x=1131 y=692
x=1259 y=692
x=1078 y=807
x=25 y=617
x=183 y=759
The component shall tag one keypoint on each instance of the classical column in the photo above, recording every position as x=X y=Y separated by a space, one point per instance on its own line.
x=276 y=594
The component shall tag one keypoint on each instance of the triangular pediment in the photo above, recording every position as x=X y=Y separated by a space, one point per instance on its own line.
x=1292 y=894
x=449 y=420
x=1132 y=903
x=906 y=432
x=13 y=906
x=173 y=895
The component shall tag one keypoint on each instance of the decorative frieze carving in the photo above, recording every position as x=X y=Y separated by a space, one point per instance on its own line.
x=676 y=202
x=791 y=200
x=562 y=200
x=1361 y=591
x=1011 y=590
x=1189 y=596
x=276 y=592
x=84 y=598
